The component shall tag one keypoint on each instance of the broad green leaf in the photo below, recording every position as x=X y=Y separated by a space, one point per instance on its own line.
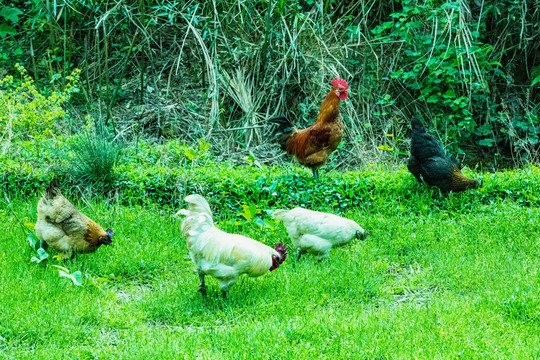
x=450 y=94
x=76 y=277
x=6 y=30
x=536 y=80
x=11 y=14
x=41 y=255
x=249 y=211
x=432 y=99
x=486 y=142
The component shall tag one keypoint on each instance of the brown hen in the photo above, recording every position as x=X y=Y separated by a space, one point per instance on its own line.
x=68 y=231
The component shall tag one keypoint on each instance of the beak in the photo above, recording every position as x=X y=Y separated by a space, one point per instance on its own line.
x=361 y=235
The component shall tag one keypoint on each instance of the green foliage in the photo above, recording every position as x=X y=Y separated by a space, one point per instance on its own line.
x=445 y=65
x=27 y=114
x=172 y=154
x=450 y=64
x=250 y=190
x=468 y=68
x=8 y=17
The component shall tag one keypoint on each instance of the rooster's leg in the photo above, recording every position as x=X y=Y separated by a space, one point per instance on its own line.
x=202 y=285
x=315 y=173
x=224 y=293
x=298 y=254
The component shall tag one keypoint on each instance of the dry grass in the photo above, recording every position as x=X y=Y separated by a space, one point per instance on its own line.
x=218 y=70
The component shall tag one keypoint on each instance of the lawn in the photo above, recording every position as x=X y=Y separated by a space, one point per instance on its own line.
x=438 y=277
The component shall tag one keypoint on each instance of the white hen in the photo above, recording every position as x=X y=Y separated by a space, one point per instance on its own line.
x=316 y=232
x=222 y=255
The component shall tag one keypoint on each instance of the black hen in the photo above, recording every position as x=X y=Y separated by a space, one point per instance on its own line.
x=430 y=163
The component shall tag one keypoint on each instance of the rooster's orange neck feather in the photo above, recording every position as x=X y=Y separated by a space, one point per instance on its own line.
x=329 y=108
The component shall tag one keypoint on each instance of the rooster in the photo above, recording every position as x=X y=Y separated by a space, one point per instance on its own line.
x=65 y=229
x=430 y=163
x=222 y=255
x=317 y=232
x=313 y=145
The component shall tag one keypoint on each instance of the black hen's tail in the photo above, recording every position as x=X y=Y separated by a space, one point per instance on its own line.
x=283 y=130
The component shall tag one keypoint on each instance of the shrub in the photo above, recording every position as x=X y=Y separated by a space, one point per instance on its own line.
x=25 y=113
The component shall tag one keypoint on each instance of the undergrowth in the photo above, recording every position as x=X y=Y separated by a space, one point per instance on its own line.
x=231 y=185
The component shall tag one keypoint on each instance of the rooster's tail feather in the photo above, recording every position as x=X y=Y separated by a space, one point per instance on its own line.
x=283 y=130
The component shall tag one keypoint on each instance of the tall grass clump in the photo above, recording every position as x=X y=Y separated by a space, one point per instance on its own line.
x=96 y=152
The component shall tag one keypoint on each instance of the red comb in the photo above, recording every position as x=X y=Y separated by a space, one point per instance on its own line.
x=340 y=82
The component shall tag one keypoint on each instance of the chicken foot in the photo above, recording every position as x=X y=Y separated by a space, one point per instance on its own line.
x=202 y=285
x=299 y=253
x=315 y=173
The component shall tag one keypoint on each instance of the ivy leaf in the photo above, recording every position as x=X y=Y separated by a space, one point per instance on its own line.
x=11 y=14
x=42 y=255
x=6 y=30
x=536 y=80
x=76 y=277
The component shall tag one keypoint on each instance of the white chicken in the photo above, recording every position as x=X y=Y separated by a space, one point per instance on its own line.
x=316 y=232
x=222 y=255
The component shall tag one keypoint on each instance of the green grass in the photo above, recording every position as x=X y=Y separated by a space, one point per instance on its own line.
x=438 y=277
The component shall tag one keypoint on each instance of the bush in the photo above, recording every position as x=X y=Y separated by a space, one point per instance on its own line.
x=27 y=114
